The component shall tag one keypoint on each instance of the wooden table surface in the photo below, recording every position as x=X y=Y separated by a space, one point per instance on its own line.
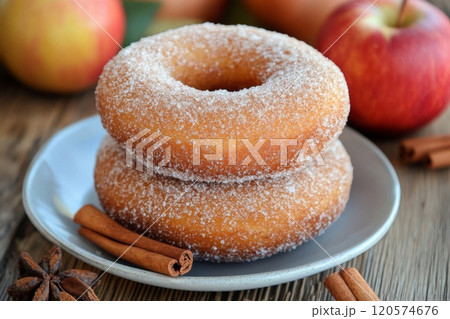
x=412 y=262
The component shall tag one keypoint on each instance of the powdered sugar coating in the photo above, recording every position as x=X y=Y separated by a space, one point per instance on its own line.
x=297 y=94
x=226 y=222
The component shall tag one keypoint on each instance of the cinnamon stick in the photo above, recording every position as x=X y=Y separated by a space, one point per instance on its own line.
x=92 y=218
x=359 y=287
x=416 y=149
x=338 y=288
x=138 y=256
x=438 y=159
x=349 y=285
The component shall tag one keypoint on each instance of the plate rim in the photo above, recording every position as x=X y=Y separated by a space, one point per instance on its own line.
x=215 y=283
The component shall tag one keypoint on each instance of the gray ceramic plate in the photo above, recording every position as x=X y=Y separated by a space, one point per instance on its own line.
x=63 y=170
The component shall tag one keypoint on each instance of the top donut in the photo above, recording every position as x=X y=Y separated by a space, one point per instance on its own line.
x=222 y=103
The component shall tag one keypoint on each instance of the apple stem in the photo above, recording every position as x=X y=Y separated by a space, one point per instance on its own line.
x=401 y=14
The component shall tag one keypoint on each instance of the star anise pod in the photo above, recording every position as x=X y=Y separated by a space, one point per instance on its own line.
x=44 y=281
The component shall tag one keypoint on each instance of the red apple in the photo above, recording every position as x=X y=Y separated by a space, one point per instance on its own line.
x=398 y=76
x=299 y=18
x=55 y=46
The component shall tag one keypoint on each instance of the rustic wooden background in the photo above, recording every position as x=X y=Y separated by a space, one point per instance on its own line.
x=412 y=262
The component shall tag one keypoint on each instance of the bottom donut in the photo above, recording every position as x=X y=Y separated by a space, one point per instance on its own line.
x=226 y=222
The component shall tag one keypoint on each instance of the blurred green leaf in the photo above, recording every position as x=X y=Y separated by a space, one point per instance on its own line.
x=139 y=16
x=238 y=13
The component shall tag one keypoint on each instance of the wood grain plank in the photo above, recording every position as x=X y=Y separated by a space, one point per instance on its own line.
x=28 y=119
x=411 y=262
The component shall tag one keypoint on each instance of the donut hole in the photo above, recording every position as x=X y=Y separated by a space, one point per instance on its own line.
x=220 y=72
x=213 y=81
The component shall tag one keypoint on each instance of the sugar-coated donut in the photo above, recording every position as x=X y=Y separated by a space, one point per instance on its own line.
x=235 y=83
x=226 y=221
